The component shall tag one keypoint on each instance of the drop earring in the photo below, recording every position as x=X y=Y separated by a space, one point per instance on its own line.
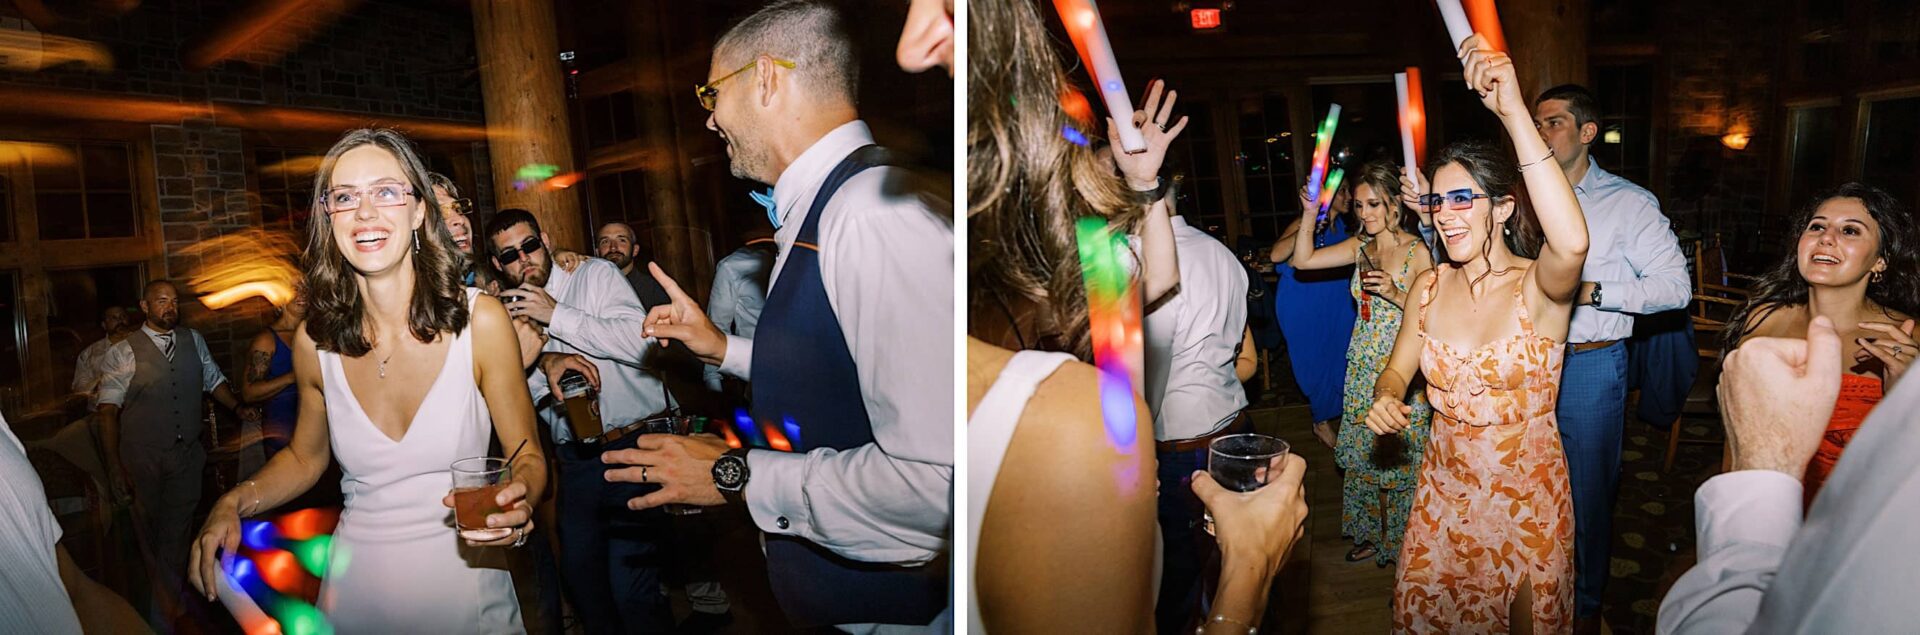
x=416 y=241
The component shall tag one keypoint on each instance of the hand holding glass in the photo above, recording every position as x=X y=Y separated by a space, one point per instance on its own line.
x=1243 y=463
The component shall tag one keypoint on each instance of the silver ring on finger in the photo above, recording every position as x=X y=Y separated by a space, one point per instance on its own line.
x=643 y=473
x=520 y=537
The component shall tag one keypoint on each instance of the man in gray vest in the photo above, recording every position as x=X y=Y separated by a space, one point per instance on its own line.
x=152 y=383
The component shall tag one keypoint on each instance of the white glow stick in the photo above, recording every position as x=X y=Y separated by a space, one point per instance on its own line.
x=1089 y=35
x=1456 y=18
x=1406 y=127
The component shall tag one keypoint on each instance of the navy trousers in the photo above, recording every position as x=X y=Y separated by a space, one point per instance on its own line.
x=1592 y=413
x=611 y=557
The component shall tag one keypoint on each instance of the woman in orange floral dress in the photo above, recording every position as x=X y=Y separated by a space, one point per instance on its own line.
x=1489 y=547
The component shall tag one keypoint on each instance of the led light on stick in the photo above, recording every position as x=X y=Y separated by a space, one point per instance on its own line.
x=1413 y=121
x=1089 y=37
x=1332 y=187
x=1322 y=147
x=1113 y=314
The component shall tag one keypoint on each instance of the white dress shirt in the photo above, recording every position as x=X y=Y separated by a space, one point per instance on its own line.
x=1192 y=391
x=886 y=259
x=596 y=313
x=1849 y=568
x=119 y=364
x=1632 y=253
x=739 y=290
x=90 y=368
x=33 y=599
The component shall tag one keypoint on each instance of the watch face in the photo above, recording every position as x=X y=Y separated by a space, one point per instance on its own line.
x=729 y=473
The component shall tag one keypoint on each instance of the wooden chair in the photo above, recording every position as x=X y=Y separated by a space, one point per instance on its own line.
x=1714 y=303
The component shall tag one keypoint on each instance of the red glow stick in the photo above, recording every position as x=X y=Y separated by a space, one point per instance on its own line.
x=1486 y=22
x=1089 y=37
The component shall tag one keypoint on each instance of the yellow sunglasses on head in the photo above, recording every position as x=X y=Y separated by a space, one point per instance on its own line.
x=707 y=92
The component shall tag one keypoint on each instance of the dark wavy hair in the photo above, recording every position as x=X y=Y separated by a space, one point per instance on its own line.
x=1783 y=286
x=1026 y=186
x=1494 y=169
x=336 y=317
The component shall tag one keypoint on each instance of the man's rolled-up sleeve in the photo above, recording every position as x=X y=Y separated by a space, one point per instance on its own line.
x=1745 y=521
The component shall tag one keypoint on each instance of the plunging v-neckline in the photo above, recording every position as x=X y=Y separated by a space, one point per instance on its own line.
x=417 y=407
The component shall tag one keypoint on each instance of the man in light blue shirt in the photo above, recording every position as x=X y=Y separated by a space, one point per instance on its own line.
x=1634 y=267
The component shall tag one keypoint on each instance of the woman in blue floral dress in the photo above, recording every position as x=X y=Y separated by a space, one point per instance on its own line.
x=1380 y=472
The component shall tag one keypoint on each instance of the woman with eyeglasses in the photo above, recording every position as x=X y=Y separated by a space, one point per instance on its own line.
x=1489 y=546
x=1377 y=491
x=1857 y=262
x=401 y=371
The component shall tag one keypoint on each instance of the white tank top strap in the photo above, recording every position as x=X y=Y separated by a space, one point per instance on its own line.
x=990 y=430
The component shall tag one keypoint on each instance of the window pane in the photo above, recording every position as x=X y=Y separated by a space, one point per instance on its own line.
x=111 y=215
x=599 y=121
x=1892 y=158
x=13 y=331
x=6 y=208
x=623 y=115
x=61 y=216
x=57 y=168
x=107 y=167
x=606 y=198
x=634 y=195
x=1813 y=141
x=1259 y=194
x=1255 y=153
x=79 y=295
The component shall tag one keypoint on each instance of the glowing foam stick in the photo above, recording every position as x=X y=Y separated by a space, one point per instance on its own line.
x=1486 y=22
x=1113 y=313
x=1322 y=148
x=1089 y=37
x=1458 y=28
x=1413 y=121
x=1332 y=187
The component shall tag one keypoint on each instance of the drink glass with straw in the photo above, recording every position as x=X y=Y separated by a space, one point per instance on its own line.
x=477 y=482
x=1366 y=270
x=1243 y=463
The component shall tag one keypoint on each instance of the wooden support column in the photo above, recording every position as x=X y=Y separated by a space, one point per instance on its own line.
x=526 y=109
x=682 y=240
x=1548 y=39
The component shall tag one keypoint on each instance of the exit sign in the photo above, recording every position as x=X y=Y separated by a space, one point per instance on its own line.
x=1205 y=18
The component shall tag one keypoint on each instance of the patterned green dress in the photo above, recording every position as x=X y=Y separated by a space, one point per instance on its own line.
x=1380 y=472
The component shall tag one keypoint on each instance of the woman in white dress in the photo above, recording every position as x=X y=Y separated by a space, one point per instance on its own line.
x=401 y=371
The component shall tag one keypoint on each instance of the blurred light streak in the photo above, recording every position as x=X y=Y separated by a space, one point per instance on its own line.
x=245 y=264
x=28 y=51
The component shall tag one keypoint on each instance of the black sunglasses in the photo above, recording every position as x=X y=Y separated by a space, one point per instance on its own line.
x=512 y=255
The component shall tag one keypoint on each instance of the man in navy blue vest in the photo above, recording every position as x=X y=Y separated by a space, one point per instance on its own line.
x=852 y=360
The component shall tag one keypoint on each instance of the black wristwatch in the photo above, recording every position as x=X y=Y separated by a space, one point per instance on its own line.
x=1149 y=197
x=730 y=475
x=1594 y=298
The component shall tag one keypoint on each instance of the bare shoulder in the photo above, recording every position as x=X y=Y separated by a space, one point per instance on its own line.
x=1066 y=419
x=489 y=316
x=1778 y=320
x=263 y=341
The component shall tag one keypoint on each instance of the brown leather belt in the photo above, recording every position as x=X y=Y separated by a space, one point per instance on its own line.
x=1593 y=346
x=1199 y=443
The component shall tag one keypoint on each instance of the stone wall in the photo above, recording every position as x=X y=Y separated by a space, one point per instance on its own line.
x=1719 y=60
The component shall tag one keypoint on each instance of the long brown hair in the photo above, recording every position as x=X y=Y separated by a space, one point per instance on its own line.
x=1027 y=184
x=336 y=314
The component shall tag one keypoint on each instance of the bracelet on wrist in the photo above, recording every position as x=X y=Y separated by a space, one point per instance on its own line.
x=1222 y=619
x=1524 y=166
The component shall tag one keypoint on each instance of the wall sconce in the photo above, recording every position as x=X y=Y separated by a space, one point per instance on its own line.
x=1736 y=138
